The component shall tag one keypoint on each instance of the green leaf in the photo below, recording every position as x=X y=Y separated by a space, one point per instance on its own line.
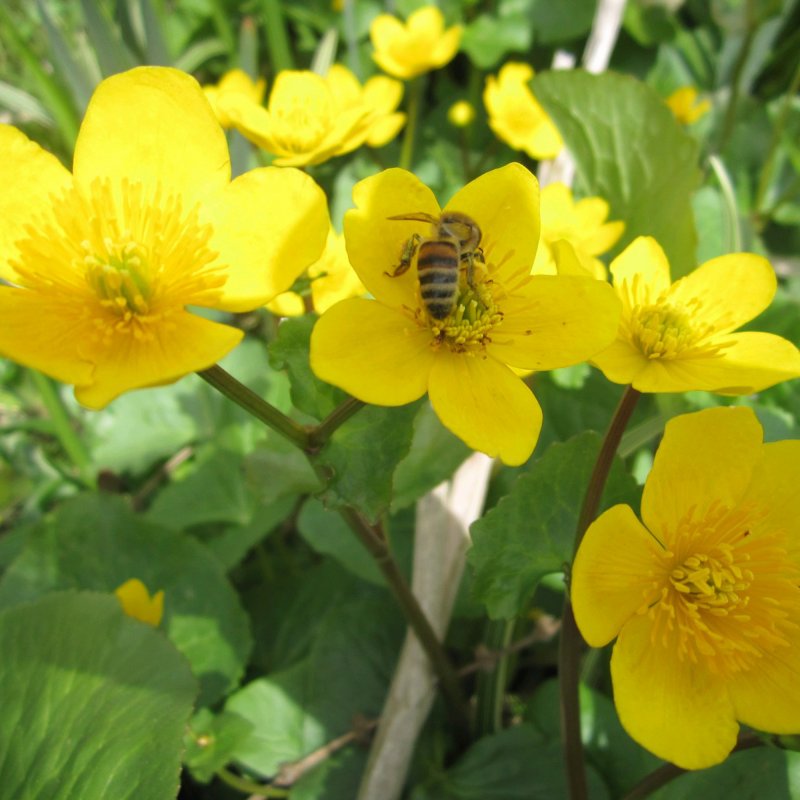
x=211 y=741
x=530 y=532
x=515 y=764
x=96 y=542
x=289 y=351
x=277 y=468
x=631 y=150
x=24 y=105
x=620 y=760
x=112 y=53
x=330 y=535
x=94 y=702
x=434 y=455
x=487 y=39
x=362 y=456
x=156 y=48
x=353 y=645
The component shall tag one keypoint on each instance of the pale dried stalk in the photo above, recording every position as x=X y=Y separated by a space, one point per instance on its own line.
x=442 y=537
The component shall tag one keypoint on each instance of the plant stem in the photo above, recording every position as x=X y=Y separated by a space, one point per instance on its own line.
x=280 y=54
x=373 y=539
x=570 y=644
x=62 y=427
x=319 y=435
x=415 y=89
x=491 y=686
x=250 y=787
x=667 y=772
x=226 y=384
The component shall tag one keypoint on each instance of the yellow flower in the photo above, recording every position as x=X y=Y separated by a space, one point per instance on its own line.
x=582 y=224
x=392 y=350
x=381 y=95
x=332 y=279
x=461 y=114
x=515 y=115
x=303 y=123
x=703 y=595
x=103 y=263
x=684 y=105
x=419 y=46
x=233 y=83
x=137 y=603
x=676 y=337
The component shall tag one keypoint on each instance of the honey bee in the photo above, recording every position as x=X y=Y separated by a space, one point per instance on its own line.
x=453 y=242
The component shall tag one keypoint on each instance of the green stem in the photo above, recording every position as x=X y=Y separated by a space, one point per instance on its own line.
x=375 y=542
x=62 y=427
x=787 y=194
x=736 y=80
x=247 y=399
x=667 y=772
x=491 y=686
x=729 y=196
x=416 y=87
x=250 y=787
x=570 y=644
x=280 y=54
x=777 y=134
x=319 y=435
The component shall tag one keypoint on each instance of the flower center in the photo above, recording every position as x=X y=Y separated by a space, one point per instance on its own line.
x=662 y=331
x=469 y=324
x=302 y=112
x=119 y=260
x=729 y=593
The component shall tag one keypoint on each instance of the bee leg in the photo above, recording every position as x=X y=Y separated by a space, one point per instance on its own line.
x=406 y=256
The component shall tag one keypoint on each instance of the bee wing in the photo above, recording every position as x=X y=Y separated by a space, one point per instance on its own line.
x=419 y=216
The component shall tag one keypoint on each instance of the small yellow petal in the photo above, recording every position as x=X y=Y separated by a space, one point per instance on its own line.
x=612 y=574
x=484 y=403
x=373 y=352
x=641 y=271
x=675 y=708
x=137 y=603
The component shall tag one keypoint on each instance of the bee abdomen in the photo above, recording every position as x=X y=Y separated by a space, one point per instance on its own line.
x=437 y=269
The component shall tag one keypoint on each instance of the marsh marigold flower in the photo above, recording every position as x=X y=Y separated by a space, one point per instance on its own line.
x=419 y=46
x=685 y=105
x=232 y=85
x=582 y=223
x=137 y=603
x=103 y=263
x=332 y=279
x=392 y=350
x=515 y=115
x=310 y=118
x=703 y=594
x=678 y=337
x=461 y=114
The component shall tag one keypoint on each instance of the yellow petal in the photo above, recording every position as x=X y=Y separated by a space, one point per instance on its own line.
x=747 y=363
x=188 y=344
x=704 y=458
x=427 y=21
x=29 y=176
x=621 y=362
x=773 y=489
x=749 y=285
x=485 y=404
x=137 y=603
x=383 y=130
x=270 y=224
x=561 y=320
x=612 y=574
x=384 y=30
x=505 y=203
x=375 y=242
x=45 y=334
x=641 y=271
x=766 y=697
x=447 y=46
x=383 y=94
x=373 y=352
x=673 y=707
x=287 y=304
x=153 y=124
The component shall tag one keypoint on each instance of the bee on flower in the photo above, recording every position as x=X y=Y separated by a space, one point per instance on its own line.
x=702 y=594
x=456 y=307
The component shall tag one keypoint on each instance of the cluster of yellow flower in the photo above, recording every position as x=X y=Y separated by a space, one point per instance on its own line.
x=100 y=265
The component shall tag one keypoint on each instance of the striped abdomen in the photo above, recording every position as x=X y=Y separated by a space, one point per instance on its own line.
x=437 y=268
